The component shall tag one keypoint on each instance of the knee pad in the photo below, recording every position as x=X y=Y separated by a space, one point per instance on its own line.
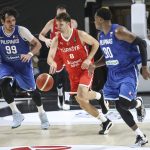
x=6 y=90
x=126 y=104
x=36 y=96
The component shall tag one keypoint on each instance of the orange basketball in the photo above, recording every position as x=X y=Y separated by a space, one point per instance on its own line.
x=44 y=82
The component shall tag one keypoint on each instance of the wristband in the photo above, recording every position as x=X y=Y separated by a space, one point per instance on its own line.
x=30 y=53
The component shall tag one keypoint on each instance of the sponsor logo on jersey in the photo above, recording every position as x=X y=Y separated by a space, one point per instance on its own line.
x=70 y=49
x=74 y=63
x=112 y=62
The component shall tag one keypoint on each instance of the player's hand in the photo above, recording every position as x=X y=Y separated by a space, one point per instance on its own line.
x=48 y=42
x=53 y=67
x=91 y=69
x=85 y=64
x=145 y=72
x=25 y=57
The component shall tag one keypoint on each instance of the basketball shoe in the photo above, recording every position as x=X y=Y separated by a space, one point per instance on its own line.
x=44 y=121
x=17 y=119
x=106 y=126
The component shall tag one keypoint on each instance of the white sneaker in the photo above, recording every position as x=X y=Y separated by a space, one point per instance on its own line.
x=65 y=106
x=60 y=100
x=44 y=121
x=140 y=141
x=17 y=119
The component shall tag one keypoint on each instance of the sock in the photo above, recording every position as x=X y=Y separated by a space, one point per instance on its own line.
x=60 y=91
x=101 y=117
x=13 y=107
x=139 y=132
x=98 y=96
x=138 y=103
x=67 y=96
x=40 y=109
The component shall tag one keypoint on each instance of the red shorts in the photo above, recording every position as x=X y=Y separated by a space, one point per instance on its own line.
x=58 y=59
x=83 y=78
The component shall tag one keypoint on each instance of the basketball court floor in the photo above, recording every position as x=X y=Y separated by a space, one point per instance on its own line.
x=73 y=129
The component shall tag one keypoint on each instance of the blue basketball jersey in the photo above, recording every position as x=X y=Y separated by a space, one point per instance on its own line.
x=119 y=55
x=11 y=47
x=121 y=59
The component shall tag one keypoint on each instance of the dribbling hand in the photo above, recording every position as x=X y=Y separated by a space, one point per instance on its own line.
x=53 y=67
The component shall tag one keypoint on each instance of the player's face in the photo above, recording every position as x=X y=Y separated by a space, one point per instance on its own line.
x=9 y=23
x=98 y=22
x=62 y=26
x=59 y=11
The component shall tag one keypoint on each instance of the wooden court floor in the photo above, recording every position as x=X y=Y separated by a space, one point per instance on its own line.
x=85 y=134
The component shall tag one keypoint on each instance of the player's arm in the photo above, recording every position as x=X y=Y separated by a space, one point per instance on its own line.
x=51 y=55
x=34 y=42
x=122 y=33
x=88 y=39
x=74 y=23
x=45 y=30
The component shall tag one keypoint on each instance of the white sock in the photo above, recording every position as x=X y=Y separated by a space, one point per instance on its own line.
x=101 y=117
x=13 y=107
x=67 y=96
x=98 y=96
x=138 y=103
x=139 y=132
x=60 y=91
x=40 y=109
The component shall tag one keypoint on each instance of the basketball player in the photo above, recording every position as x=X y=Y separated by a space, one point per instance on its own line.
x=121 y=55
x=16 y=64
x=60 y=73
x=70 y=44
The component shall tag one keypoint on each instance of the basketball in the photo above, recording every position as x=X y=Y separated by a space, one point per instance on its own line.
x=44 y=82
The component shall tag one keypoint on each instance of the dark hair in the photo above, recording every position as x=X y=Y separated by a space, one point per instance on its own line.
x=61 y=6
x=9 y=11
x=63 y=16
x=104 y=13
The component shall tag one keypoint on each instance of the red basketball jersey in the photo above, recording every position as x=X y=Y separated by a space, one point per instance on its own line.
x=72 y=51
x=55 y=30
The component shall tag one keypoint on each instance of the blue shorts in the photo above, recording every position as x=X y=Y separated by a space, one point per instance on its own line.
x=121 y=84
x=24 y=76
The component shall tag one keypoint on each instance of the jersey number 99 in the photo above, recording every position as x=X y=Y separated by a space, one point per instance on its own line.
x=11 y=49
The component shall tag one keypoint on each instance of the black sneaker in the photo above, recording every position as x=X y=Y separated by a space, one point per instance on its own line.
x=106 y=127
x=141 y=112
x=140 y=141
x=104 y=105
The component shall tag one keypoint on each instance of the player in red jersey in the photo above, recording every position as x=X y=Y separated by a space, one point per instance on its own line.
x=70 y=44
x=60 y=73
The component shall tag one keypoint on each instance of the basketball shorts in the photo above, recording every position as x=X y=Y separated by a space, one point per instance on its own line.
x=24 y=77
x=122 y=85
x=83 y=78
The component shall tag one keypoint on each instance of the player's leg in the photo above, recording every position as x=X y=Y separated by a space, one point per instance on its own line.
x=129 y=120
x=59 y=86
x=127 y=101
x=7 y=92
x=83 y=97
x=8 y=95
x=26 y=81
